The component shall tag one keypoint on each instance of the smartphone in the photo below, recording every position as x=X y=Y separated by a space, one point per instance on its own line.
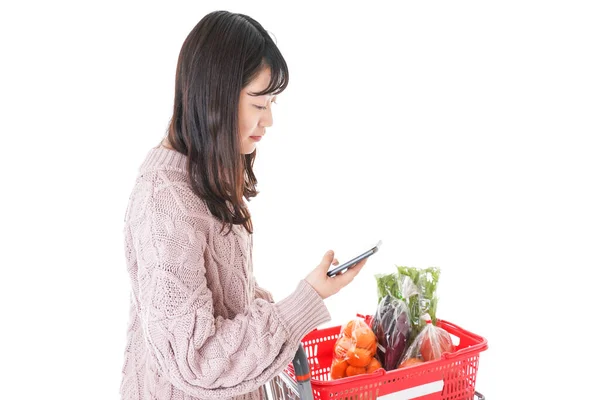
x=354 y=261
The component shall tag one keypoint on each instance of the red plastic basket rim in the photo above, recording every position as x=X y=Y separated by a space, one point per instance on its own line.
x=476 y=348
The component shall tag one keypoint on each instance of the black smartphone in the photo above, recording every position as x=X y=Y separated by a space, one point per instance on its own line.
x=354 y=261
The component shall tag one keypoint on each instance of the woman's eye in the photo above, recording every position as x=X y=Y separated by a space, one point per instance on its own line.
x=265 y=107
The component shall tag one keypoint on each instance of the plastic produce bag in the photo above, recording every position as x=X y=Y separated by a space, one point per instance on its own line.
x=387 y=284
x=354 y=351
x=419 y=288
x=391 y=325
x=429 y=345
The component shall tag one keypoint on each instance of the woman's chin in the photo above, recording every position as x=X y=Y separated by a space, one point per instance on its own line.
x=249 y=148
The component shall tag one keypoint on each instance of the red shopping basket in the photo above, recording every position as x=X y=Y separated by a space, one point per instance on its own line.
x=450 y=378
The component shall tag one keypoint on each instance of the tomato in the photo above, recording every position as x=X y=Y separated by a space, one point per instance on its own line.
x=441 y=343
x=411 y=361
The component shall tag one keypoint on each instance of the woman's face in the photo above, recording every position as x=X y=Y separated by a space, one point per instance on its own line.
x=254 y=112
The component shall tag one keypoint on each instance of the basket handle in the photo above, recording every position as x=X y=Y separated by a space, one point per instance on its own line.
x=476 y=348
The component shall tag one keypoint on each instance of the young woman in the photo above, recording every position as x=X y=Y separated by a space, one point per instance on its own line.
x=200 y=326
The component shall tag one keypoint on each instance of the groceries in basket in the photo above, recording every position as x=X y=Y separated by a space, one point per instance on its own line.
x=395 y=350
x=429 y=345
x=419 y=289
x=405 y=298
x=391 y=325
x=403 y=331
x=354 y=351
x=458 y=373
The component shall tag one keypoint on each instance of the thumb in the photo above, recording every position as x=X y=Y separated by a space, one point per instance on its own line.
x=326 y=261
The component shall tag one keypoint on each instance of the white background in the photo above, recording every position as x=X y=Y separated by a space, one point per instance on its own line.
x=462 y=134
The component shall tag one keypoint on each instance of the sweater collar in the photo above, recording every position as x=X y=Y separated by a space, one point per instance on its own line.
x=159 y=157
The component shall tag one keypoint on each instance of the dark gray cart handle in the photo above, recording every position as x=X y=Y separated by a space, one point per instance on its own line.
x=302 y=371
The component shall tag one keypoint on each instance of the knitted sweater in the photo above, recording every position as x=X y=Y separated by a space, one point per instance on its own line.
x=200 y=327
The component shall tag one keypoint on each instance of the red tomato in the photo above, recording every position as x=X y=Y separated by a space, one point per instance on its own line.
x=442 y=342
x=411 y=361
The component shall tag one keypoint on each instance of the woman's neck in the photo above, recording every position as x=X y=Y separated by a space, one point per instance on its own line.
x=165 y=144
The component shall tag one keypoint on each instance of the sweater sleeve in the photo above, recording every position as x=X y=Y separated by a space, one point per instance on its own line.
x=201 y=355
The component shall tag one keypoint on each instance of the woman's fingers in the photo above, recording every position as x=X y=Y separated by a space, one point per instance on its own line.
x=327 y=286
x=347 y=277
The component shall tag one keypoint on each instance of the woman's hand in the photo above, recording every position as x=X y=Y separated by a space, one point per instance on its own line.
x=326 y=286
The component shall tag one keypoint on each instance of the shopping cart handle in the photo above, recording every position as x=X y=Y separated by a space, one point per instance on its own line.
x=302 y=371
x=301 y=367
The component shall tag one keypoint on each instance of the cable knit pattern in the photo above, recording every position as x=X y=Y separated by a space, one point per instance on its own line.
x=200 y=327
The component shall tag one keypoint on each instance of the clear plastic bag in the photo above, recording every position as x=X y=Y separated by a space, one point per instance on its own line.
x=419 y=288
x=354 y=351
x=429 y=345
x=387 y=285
x=391 y=325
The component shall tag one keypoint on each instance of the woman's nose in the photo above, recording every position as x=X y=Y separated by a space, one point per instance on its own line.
x=267 y=119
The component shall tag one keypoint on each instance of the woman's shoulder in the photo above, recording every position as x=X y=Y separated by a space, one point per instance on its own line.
x=173 y=194
x=163 y=176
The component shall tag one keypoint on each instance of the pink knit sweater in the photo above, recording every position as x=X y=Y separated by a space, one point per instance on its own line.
x=200 y=327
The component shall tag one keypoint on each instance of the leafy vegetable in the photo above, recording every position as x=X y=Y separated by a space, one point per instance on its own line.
x=387 y=284
x=419 y=288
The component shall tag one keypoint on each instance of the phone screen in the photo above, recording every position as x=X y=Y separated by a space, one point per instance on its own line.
x=354 y=261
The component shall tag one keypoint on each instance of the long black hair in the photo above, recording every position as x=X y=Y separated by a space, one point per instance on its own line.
x=219 y=57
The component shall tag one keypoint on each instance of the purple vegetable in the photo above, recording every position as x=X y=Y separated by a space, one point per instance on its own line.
x=391 y=325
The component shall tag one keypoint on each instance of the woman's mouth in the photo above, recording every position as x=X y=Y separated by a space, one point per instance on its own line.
x=256 y=138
